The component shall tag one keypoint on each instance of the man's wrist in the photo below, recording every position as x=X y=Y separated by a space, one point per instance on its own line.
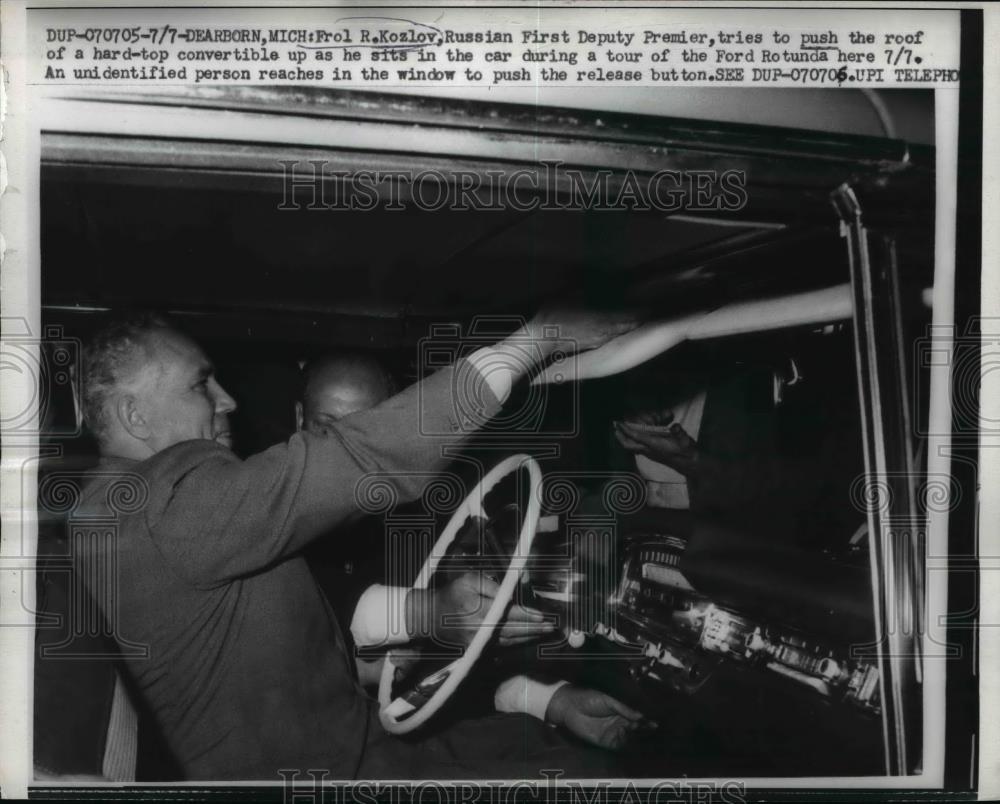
x=380 y=616
x=526 y=695
x=534 y=334
x=504 y=363
x=555 y=708
x=498 y=367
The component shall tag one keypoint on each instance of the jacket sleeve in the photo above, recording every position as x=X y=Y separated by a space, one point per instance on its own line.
x=216 y=517
x=524 y=695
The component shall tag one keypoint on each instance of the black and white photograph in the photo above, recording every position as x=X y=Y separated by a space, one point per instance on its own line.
x=495 y=403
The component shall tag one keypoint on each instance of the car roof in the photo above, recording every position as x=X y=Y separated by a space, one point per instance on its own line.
x=170 y=198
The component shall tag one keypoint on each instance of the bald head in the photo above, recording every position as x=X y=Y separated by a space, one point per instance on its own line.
x=335 y=386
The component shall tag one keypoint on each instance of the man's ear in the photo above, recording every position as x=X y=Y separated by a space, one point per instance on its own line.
x=130 y=417
x=298 y=416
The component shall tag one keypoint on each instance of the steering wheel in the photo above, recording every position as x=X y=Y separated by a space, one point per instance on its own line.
x=409 y=712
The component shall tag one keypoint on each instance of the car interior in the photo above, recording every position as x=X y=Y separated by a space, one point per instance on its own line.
x=742 y=623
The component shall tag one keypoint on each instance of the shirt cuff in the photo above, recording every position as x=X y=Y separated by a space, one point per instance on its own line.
x=523 y=694
x=380 y=616
x=498 y=368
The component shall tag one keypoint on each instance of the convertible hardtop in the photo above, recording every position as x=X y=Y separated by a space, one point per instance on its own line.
x=180 y=198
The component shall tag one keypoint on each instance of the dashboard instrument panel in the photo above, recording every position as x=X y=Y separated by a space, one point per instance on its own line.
x=683 y=635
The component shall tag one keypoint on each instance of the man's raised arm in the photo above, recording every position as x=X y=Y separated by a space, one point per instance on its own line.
x=225 y=518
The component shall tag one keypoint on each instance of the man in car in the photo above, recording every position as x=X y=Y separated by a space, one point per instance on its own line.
x=332 y=386
x=757 y=447
x=340 y=384
x=199 y=560
x=337 y=384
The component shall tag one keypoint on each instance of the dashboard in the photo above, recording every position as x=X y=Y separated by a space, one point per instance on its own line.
x=674 y=633
x=684 y=635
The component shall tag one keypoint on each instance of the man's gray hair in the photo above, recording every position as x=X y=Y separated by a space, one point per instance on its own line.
x=108 y=359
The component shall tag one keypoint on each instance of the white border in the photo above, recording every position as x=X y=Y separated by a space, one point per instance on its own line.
x=989 y=454
x=19 y=220
x=19 y=226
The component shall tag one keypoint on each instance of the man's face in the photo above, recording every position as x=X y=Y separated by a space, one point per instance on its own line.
x=338 y=390
x=178 y=395
x=327 y=403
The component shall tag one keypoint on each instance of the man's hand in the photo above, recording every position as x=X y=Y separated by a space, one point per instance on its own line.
x=592 y=716
x=671 y=445
x=582 y=329
x=533 y=344
x=453 y=613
